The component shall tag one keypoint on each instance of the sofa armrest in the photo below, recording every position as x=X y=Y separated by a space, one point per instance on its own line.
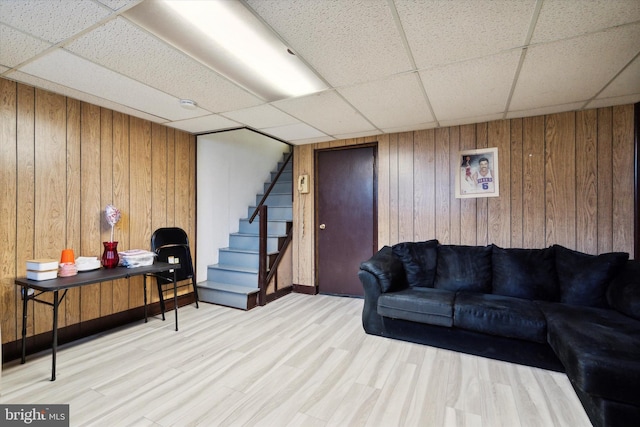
x=381 y=273
x=623 y=293
x=387 y=269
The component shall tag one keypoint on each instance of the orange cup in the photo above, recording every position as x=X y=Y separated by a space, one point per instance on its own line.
x=67 y=256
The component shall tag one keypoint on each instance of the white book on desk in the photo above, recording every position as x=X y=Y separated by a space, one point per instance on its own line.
x=43 y=264
x=42 y=275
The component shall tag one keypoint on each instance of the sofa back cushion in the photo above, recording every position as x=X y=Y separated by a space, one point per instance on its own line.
x=464 y=268
x=525 y=273
x=623 y=294
x=419 y=261
x=583 y=278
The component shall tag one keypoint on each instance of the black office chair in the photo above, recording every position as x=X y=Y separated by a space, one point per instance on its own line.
x=173 y=242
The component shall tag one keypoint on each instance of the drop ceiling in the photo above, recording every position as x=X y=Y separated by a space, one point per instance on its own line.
x=390 y=65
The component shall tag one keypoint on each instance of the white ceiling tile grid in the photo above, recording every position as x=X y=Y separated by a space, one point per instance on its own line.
x=471 y=89
x=127 y=49
x=391 y=65
x=346 y=42
x=574 y=69
x=445 y=32
x=327 y=112
x=384 y=102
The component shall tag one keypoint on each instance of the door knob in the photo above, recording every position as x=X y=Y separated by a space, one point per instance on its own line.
x=322 y=226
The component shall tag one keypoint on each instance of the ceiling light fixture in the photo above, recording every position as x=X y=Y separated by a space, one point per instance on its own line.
x=188 y=104
x=230 y=39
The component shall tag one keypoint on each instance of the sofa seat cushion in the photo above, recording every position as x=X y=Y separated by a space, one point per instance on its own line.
x=499 y=315
x=599 y=348
x=423 y=305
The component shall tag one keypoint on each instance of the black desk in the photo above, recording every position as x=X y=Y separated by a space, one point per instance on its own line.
x=82 y=279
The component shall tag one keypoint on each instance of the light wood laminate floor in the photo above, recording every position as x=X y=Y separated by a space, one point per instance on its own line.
x=300 y=361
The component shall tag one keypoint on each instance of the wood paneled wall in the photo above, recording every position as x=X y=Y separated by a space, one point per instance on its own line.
x=564 y=178
x=61 y=162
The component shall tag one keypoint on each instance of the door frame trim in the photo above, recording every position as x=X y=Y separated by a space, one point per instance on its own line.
x=374 y=145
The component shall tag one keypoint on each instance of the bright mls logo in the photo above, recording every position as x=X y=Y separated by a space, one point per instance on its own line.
x=34 y=415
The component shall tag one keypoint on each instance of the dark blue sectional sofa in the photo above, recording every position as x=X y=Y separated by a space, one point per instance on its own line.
x=553 y=308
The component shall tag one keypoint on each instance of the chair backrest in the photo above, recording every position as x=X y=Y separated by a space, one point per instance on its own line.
x=167 y=236
x=173 y=241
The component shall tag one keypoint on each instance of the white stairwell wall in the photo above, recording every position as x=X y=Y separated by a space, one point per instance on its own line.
x=232 y=168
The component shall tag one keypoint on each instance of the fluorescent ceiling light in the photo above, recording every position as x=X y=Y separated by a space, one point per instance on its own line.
x=227 y=37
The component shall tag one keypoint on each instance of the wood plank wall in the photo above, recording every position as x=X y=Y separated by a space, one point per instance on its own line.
x=61 y=162
x=564 y=178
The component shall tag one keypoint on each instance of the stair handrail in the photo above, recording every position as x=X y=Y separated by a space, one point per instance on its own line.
x=273 y=182
x=265 y=277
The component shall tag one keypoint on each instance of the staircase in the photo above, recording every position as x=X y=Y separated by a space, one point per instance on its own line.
x=233 y=282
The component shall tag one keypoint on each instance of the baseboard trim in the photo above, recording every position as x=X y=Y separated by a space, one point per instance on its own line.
x=304 y=289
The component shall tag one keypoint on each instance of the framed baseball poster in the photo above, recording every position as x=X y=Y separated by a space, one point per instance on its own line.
x=477 y=173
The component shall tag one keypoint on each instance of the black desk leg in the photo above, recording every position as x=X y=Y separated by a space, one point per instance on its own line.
x=175 y=296
x=56 y=303
x=144 y=280
x=25 y=299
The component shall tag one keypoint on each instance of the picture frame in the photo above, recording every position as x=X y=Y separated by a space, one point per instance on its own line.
x=477 y=173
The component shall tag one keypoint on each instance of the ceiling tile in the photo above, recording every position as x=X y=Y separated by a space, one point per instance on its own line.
x=357 y=134
x=119 y=4
x=347 y=42
x=471 y=89
x=69 y=70
x=442 y=32
x=561 y=19
x=574 y=69
x=327 y=112
x=207 y=123
x=616 y=100
x=56 y=21
x=383 y=102
x=311 y=140
x=470 y=120
x=627 y=82
x=129 y=50
x=541 y=111
x=299 y=131
x=407 y=128
x=80 y=96
x=17 y=47
x=262 y=116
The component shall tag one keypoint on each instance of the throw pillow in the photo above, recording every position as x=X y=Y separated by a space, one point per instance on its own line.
x=419 y=261
x=583 y=278
x=464 y=268
x=525 y=273
x=623 y=294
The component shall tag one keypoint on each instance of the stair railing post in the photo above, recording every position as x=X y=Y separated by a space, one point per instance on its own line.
x=262 y=254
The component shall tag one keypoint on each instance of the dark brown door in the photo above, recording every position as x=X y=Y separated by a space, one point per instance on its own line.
x=346 y=217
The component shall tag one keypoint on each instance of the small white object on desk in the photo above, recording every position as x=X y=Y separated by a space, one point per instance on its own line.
x=42 y=275
x=136 y=258
x=43 y=264
x=42 y=269
x=87 y=263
